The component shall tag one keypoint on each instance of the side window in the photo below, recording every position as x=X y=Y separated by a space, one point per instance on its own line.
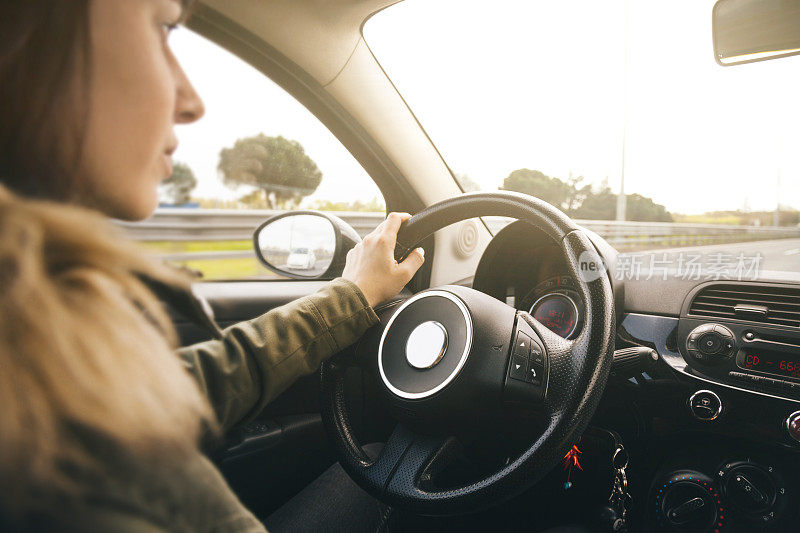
x=256 y=152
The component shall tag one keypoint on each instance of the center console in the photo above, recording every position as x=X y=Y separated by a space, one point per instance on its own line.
x=727 y=419
x=751 y=356
x=737 y=345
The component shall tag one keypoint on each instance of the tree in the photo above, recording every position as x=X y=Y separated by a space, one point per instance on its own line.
x=602 y=205
x=643 y=209
x=255 y=200
x=374 y=205
x=587 y=202
x=597 y=205
x=536 y=183
x=275 y=167
x=179 y=185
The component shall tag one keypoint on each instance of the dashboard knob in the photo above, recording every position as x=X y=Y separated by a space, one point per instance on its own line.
x=710 y=343
x=754 y=492
x=793 y=426
x=750 y=489
x=705 y=405
x=687 y=501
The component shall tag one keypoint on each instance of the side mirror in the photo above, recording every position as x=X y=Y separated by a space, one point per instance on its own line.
x=754 y=30
x=304 y=244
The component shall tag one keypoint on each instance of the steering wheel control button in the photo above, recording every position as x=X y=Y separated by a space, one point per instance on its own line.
x=519 y=367
x=705 y=405
x=535 y=365
x=426 y=345
x=523 y=345
x=534 y=375
x=537 y=354
x=528 y=363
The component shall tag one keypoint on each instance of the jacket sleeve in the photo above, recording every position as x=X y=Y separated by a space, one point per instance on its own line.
x=255 y=361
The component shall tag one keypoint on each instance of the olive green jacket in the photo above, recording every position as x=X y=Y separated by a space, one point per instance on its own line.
x=249 y=366
x=257 y=360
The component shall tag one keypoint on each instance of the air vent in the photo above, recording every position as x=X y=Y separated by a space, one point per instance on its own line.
x=769 y=305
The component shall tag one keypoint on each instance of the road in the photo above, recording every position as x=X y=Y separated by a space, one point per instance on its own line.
x=319 y=268
x=782 y=255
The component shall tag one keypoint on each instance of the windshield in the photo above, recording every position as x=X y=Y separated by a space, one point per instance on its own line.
x=573 y=101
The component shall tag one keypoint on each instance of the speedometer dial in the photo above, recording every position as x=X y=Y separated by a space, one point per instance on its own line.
x=555 y=303
x=558 y=312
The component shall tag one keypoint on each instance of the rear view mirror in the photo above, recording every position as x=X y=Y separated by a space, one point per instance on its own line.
x=305 y=244
x=755 y=30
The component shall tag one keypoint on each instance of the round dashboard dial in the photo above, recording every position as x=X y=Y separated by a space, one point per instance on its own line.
x=558 y=312
x=556 y=304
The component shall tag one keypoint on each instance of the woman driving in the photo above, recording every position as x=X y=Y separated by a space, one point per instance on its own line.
x=100 y=423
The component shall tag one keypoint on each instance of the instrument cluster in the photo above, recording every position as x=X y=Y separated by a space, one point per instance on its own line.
x=556 y=304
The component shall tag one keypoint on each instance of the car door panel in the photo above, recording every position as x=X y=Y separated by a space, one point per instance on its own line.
x=285 y=447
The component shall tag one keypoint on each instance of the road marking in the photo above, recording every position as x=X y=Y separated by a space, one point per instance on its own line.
x=793 y=251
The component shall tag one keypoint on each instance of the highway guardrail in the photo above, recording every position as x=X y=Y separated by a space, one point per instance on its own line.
x=174 y=225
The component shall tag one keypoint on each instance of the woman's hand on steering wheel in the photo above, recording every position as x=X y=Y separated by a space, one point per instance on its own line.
x=371 y=264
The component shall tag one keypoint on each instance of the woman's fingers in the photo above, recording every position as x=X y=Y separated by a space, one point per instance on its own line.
x=411 y=264
x=371 y=264
x=392 y=225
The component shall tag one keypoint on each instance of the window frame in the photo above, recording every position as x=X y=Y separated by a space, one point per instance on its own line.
x=285 y=73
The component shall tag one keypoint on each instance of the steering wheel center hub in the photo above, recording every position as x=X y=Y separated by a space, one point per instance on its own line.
x=425 y=344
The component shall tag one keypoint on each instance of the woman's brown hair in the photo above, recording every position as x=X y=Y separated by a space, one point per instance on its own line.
x=44 y=47
x=86 y=350
x=44 y=80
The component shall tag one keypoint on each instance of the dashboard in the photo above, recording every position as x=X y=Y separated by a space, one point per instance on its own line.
x=705 y=383
x=523 y=268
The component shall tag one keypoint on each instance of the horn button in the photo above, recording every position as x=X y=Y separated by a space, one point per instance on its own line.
x=425 y=344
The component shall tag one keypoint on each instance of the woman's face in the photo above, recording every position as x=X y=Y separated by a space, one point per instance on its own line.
x=138 y=93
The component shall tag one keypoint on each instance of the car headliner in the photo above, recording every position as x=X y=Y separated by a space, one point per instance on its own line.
x=318 y=35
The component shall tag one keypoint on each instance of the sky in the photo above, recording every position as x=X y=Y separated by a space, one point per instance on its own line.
x=551 y=86
x=239 y=102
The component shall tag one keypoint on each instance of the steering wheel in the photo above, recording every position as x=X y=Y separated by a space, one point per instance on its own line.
x=450 y=352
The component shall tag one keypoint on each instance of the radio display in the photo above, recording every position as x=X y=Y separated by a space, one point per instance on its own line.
x=779 y=363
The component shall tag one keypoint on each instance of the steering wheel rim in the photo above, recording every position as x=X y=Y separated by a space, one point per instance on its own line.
x=574 y=379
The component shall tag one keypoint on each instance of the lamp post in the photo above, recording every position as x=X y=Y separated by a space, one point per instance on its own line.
x=621 y=198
